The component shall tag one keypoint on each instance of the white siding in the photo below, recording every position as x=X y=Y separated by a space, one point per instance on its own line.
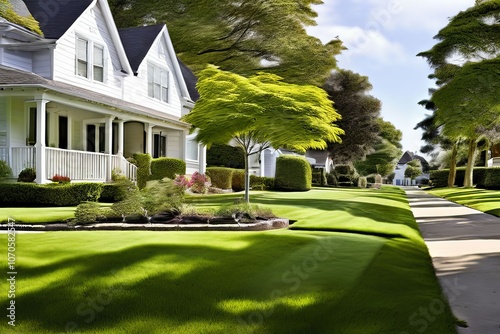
x=18 y=123
x=42 y=63
x=18 y=59
x=91 y=26
x=3 y=122
x=136 y=88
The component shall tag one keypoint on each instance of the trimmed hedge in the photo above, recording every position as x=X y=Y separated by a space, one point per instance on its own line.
x=238 y=180
x=319 y=177
x=346 y=175
x=439 y=178
x=261 y=182
x=32 y=194
x=293 y=173
x=221 y=155
x=221 y=177
x=167 y=167
x=143 y=169
x=492 y=178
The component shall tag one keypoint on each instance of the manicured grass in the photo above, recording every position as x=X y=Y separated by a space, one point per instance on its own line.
x=39 y=215
x=487 y=201
x=310 y=279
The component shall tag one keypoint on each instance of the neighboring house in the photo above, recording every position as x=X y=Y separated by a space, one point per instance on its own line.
x=399 y=178
x=85 y=96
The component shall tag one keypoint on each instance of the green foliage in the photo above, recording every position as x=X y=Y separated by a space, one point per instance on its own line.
x=117 y=191
x=492 y=178
x=331 y=179
x=31 y=194
x=7 y=12
x=293 y=173
x=221 y=177
x=221 y=155
x=439 y=178
x=88 y=212
x=5 y=170
x=244 y=210
x=412 y=172
x=238 y=180
x=319 y=177
x=143 y=169
x=160 y=196
x=27 y=175
x=261 y=182
x=359 y=112
x=167 y=167
x=239 y=36
x=346 y=175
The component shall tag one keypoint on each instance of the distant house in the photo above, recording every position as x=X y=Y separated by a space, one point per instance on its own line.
x=85 y=96
x=400 y=179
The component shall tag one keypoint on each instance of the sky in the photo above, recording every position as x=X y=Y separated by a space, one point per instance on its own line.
x=383 y=38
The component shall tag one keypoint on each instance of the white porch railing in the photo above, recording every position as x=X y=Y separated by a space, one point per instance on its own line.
x=4 y=154
x=86 y=166
x=126 y=168
x=22 y=157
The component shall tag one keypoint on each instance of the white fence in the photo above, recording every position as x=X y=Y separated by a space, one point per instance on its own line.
x=21 y=158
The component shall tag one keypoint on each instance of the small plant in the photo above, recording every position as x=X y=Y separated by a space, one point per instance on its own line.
x=200 y=183
x=27 y=175
x=182 y=181
x=88 y=212
x=362 y=182
x=117 y=175
x=5 y=170
x=244 y=211
x=60 y=179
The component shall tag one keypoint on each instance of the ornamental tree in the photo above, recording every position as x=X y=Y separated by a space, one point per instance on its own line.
x=260 y=112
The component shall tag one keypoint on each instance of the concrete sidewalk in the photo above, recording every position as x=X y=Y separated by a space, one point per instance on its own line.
x=465 y=248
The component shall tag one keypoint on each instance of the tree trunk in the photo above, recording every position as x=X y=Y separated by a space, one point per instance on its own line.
x=471 y=157
x=247 y=179
x=453 y=166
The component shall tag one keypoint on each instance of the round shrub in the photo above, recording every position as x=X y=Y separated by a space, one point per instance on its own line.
x=362 y=182
x=27 y=175
x=221 y=177
x=143 y=169
x=167 y=167
x=238 y=181
x=5 y=170
x=293 y=173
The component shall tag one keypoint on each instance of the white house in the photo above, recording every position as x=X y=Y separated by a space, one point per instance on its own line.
x=85 y=96
x=399 y=178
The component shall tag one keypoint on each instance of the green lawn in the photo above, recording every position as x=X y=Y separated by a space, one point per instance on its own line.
x=487 y=201
x=313 y=278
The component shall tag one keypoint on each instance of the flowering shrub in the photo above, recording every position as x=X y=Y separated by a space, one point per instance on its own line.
x=60 y=179
x=182 y=181
x=199 y=183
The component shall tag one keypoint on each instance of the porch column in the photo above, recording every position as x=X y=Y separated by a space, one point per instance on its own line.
x=120 y=137
x=149 y=138
x=108 y=143
x=96 y=137
x=203 y=159
x=41 y=121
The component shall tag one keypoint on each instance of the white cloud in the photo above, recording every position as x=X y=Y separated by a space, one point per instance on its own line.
x=367 y=43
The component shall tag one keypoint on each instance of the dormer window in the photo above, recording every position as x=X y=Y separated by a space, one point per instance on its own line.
x=158 y=83
x=90 y=60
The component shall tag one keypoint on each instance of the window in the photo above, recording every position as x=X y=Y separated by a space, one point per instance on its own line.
x=158 y=83
x=82 y=57
x=98 y=63
x=31 y=140
x=90 y=60
x=192 y=150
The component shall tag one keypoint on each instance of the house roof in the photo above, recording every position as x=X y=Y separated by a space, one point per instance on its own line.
x=12 y=78
x=56 y=17
x=191 y=80
x=138 y=41
x=406 y=158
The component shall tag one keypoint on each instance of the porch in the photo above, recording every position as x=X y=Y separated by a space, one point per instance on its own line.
x=77 y=165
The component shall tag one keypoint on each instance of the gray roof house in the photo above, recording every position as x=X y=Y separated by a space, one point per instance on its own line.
x=85 y=96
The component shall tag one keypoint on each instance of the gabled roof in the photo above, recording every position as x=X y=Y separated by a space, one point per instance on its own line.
x=138 y=41
x=406 y=158
x=191 y=80
x=56 y=17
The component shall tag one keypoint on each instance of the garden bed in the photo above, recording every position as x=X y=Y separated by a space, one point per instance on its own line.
x=172 y=225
